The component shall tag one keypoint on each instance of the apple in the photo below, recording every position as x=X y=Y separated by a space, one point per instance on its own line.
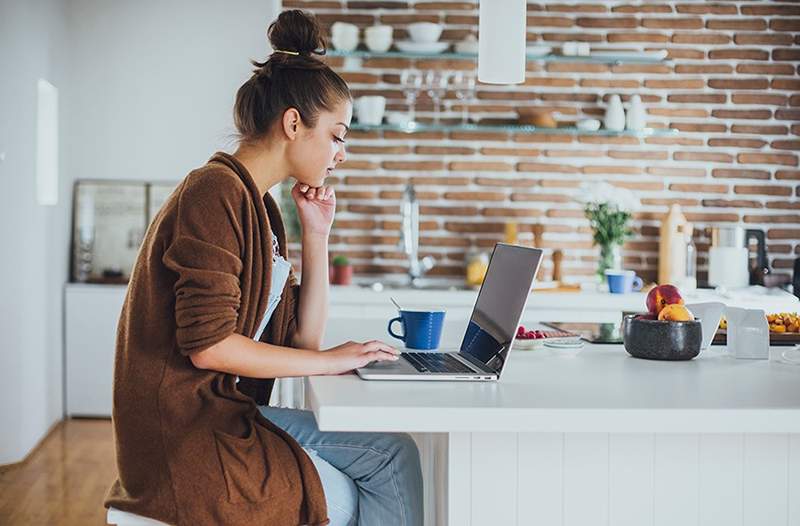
x=661 y=296
x=648 y=316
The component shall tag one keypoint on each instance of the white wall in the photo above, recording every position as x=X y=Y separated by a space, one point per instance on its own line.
x=32 y=257
x=146 y=92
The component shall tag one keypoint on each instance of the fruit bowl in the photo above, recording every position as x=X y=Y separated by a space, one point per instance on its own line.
x=661 y=339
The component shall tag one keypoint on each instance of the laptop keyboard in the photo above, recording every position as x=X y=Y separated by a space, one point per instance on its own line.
x=434 y=362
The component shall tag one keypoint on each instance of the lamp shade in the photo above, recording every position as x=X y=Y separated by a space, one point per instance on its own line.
x=501 y=41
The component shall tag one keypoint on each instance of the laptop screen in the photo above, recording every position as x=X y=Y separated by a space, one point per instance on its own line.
x=500 y=303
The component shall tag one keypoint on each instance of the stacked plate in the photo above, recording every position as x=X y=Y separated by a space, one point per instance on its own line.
x=570 y=345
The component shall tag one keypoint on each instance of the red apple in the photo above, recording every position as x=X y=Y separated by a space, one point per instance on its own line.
x=661 y=296
x=648 y=316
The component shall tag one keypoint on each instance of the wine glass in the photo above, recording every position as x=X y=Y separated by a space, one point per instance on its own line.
x=436 y=84
x=411 y=81
x=463 y=83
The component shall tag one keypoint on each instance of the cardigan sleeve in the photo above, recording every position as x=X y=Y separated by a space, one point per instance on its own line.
x=205 y=256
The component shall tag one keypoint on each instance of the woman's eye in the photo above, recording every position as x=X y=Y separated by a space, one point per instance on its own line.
x=338 y=139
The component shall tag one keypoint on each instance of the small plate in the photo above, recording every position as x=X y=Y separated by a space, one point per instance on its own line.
x=538 y=51
x=422 y=47
x=660 y=54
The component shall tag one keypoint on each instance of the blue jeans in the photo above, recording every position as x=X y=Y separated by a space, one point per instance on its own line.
x=369 y=479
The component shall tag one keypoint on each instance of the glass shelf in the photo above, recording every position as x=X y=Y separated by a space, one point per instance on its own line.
x=512 y=128
x=604 y=58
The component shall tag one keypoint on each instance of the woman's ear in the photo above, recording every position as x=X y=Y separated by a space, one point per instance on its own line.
x=291 y=122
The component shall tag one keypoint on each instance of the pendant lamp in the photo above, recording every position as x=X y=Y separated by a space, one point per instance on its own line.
x=501 y=41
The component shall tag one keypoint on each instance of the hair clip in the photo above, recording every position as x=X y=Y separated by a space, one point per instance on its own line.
x=287 y=52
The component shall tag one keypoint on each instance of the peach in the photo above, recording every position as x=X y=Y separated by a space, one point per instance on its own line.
x=661 y=296
x=675 y=312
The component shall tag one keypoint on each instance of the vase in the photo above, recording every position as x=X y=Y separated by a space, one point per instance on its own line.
x=610 y=259
x=636 y=117
x=614 y=119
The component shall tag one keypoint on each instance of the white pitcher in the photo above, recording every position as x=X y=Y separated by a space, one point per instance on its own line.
x=635 y=118
x=614 y=119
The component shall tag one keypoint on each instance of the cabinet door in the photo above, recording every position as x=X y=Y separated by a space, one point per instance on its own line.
x=91 y=316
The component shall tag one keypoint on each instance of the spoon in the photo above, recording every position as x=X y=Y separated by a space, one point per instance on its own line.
x=395 y=303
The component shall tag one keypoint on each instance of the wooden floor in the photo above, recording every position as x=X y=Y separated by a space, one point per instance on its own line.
x=64 y=480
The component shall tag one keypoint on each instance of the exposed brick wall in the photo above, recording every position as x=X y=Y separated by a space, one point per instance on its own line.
x=732 y=89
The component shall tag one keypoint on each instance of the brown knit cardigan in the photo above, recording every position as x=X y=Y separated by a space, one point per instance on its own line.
x=192 y=448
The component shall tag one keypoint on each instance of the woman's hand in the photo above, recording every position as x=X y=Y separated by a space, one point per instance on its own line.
x=315 y=208
x=352 y=355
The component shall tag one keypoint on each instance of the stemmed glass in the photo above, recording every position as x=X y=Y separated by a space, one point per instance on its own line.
x=463 y=83
x=411 y=80
x=436 y=83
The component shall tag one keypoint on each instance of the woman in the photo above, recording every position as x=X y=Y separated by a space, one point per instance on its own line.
x=213 y=313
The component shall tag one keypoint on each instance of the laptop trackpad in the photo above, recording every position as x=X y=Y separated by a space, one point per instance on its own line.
x=399 y=366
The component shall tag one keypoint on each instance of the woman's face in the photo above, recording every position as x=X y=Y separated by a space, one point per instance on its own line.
x=316 y=151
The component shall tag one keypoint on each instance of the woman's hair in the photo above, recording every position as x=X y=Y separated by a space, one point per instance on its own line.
x=292 y=77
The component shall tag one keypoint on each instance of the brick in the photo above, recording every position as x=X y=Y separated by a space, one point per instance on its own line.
x=395 y=149
x=443 y=150
x=787 y=84
x=574 y=153
x=505 y=183
x=361 y=224
x=706 y=8
x=785 y=54
x=793 y=145
x=731 y=203
x=775 y=248
x=653 y=201
x=657 y=38
x=793 y=205
x=550 y=82
x=576 y=67
x=674 y=84
x=570 y=97
x=559 y=183
x=765 y=69
x=441 y=6
x=440 y=181
x=478 y=136
x=476 y=228
x=742 y=114
x=728 y=83
x=576 y=8
x=512 y=212
x=511 y=152
x=765 y=10
x=698 y=127
x=356 y=180
x=307 y=4
x=646 y=186
x=606 y=22
x=475 y=196
x=547 y=198
x=408 y=19
x=372 y=209
x=703 y=69
x=326 y=19
x=653 y=69
x=703 y=188
x=372 y=269
x=738 y=53
x=700 y=98
x=537 y=21
x=396 y=195
x=569 y=37
x=413 y=165
x=611 y=169
x=657 y=155
x=792 y=175
x=783 y=233
x=792 y=219
x=785 y=24
x=693 y=22
x=760 y=130
x=376 y=5
x=712 y=157
x=386 y=63
x=685 y=53
x=355 y=194
x=721 y=218
x=423 y=225
x=608 y=139
x=762 y=99
x=684 y=141
x=448 y=210
x=784 y=114
x=638 y=8
x=679 y=112
x=736 y=143
x=664 y=171
x=546 y=168
x=783 y=191
x=705 y=38
x=471 y=20
x=537 y=138
x=763 y=39
x=357 y=165
x=767 y=158
x=739 y=23
x=479 y=166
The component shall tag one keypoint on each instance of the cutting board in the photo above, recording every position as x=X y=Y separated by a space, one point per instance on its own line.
x=775 y=338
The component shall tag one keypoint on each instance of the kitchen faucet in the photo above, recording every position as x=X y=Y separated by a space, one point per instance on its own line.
x=409 y=236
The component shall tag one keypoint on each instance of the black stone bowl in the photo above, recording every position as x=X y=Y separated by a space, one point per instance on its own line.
x=661 y=340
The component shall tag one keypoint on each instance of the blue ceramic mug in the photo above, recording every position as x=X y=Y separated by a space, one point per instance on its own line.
x=623 y=281
x=422 y=329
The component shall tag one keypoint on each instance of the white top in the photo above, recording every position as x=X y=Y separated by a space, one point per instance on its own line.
x=280 y=273
x=601 y=389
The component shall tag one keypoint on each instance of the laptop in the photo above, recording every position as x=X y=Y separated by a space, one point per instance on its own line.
x=491 y=330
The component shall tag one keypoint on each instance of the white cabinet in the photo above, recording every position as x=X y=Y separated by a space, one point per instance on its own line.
x=91 y=315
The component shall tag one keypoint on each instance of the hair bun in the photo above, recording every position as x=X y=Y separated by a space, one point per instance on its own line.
x=296 y=30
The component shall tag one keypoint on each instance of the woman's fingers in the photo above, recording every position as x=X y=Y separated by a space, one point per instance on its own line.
x=377 y=345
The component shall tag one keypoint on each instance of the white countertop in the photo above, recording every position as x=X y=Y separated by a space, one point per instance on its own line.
x=601 y=389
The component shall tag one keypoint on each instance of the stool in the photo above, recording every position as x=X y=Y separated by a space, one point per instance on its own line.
x=123 y=518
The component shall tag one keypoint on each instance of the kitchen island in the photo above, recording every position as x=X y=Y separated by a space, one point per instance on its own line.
x=594 y=438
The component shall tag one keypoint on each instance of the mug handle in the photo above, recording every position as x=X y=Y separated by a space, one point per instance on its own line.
x=400 y=319
x=637 y=283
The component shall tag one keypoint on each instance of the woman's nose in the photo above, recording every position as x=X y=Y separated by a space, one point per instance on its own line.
x=341 y=155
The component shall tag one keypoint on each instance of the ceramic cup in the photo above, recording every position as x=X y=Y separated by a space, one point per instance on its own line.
x=344 y=36
x=378 y=38
x=422 y=329
x=370 y=109
x=623 y=281
x=426 y=32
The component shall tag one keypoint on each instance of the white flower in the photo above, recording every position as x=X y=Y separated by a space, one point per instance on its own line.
x=597 y=193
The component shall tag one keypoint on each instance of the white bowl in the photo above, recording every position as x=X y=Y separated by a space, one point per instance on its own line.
x=426 y=32
x=431 y=48
x=588 y=124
